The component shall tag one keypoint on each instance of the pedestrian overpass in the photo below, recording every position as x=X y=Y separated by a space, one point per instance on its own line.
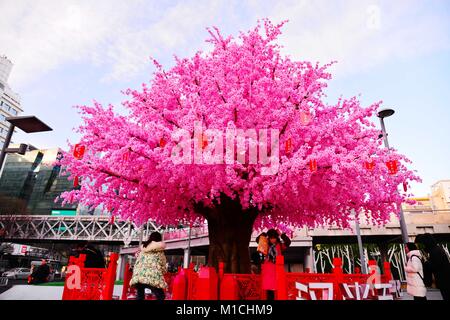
x=47 y=228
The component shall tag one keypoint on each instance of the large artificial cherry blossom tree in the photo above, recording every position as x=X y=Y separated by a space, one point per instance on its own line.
x=166 y=161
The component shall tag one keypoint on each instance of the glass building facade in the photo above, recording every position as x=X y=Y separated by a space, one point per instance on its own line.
x=30 y=183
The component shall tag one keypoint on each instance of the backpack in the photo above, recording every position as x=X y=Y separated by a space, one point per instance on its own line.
x=427 y=277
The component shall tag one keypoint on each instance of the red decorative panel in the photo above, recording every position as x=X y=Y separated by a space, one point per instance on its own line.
x=306 y=278
x=249 y=286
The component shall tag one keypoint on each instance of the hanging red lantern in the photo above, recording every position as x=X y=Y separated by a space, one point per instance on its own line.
x=162 y=143
x=405 y=186
x=203 y=141
x=369 y=165
x=75 y=182
x=313 y=165
x=392 y=166
x=288 y=146
x=111 y=220
x=125 y=156
x=78 y=151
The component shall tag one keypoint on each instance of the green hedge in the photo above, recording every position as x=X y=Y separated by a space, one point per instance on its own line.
x=61 y=284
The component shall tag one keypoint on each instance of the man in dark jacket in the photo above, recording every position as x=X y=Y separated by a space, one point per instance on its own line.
x=94 y=257
x=41 y=273
x=438 y=263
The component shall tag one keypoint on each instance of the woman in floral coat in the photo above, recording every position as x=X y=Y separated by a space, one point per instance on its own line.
x=150 y=268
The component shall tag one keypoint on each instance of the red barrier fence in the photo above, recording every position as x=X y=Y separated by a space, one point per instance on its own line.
x=98 y=284
x=89 y=283
x=332 y=286
x=207 y=285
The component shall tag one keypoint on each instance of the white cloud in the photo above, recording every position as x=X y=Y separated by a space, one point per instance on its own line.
x=180 y=30
x=361 y=34
x=121 y=35
x=41 y=35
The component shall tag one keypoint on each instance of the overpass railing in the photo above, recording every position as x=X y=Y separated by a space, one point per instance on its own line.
x=98 y=228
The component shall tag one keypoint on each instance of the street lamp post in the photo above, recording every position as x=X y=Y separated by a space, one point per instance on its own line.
x=29 y=124
x=187 y=256
x=384 y=113
x=362 y=257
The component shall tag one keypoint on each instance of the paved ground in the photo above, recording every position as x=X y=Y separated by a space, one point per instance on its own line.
x=22 y=291
x=432 y=294
x=30 y=292
x=12 y=282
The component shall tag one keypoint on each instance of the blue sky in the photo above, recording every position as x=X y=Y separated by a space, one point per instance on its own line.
x=68 y=53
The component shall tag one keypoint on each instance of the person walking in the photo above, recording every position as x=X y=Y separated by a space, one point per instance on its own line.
x=150 y=268
x=415 y=273
x=268 y=268
x=438 y=263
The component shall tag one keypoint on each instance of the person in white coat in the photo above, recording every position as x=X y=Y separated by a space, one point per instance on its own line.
x=414 y=273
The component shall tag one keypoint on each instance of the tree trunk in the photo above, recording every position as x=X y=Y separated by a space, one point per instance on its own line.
x=230 y=229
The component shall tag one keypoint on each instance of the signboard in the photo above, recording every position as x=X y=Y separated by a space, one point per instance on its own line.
x=63 y=212
x=20 y=250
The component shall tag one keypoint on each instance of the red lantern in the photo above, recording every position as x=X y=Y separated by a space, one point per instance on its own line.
x=203 y=141
x=75 y=182
x=111 y=220
x=405 y=186
x=78 y=151
x=162 y=143
x=369 y=165
x=313 y=165
x=392 y=166
x=125 y=156
x=288 y=146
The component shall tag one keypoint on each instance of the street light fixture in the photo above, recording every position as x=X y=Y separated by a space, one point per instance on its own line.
x=28 y=124
x=384 y=113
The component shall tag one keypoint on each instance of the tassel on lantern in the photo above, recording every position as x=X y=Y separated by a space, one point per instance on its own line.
x=313 y=165
x=76 y=182
x=288 y=146
x=392 y=166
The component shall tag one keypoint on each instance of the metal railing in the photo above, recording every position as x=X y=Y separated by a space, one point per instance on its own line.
x=98 y=228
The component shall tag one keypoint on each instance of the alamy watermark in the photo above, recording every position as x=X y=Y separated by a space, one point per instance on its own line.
x=215 y=146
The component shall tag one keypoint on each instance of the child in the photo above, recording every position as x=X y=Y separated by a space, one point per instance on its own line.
x=276 y=248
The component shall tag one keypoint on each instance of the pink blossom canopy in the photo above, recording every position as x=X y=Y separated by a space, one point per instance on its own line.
x=242 y=83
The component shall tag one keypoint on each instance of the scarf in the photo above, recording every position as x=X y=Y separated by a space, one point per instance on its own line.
x=272 y=253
